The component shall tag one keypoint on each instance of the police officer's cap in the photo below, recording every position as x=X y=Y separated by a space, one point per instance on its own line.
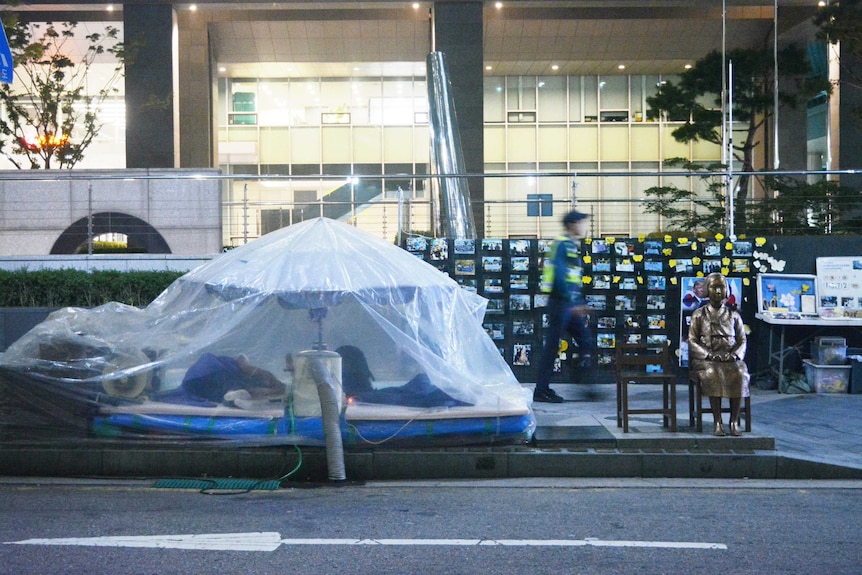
x=574 y=216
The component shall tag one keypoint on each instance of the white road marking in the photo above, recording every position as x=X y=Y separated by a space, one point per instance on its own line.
x=270 y=541
x=267 y=541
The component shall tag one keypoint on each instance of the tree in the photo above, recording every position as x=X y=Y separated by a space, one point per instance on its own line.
x=753 y=101
x=792 y=206
x=50 y=117
x=841 y=22
x=796 y=207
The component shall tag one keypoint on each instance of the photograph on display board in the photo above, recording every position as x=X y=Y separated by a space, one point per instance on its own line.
x=600 y=247
x=597 y=302
x=417 y=244
x=465 y=246
x=712 y=248
x=496 y=306
x=439 y=249
x=520 y=264
x=601 y=264
x=465 y=267
x=519 y=282
x=521 y=354
x=523 y=327
x=652 y=248
x=545 y=246
x=654 y=265
x=624 y=248
x=468 y=284
x=692 y=296
x=606 y=322
x=656 y=301
x=540 y=300
x=519 y=303
x=495 y=330
x=624 y=302
x=493 y=285
x=492 y=245
x=519 y=247
x=492 y=264
x=626 y=265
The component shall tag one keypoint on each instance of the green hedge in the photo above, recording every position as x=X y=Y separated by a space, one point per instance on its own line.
x=68 y=287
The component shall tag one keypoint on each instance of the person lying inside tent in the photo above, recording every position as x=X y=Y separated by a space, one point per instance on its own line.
x=220 y=378
x=356 y=378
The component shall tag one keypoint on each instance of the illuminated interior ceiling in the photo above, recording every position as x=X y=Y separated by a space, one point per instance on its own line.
x=522 y=37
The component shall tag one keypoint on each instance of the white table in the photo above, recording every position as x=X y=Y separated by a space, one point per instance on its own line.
x=819 y=324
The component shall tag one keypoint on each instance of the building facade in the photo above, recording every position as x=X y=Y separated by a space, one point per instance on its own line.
x=551 y=101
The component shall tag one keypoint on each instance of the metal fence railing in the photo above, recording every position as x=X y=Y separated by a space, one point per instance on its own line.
x=37 y=208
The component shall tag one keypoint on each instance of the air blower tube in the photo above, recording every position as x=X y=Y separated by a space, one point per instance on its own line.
x=322 y=369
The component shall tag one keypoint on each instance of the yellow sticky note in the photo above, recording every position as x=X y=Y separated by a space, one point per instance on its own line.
x=588 y=259
x=719 y=236
x=667 y=238
x=759 y=241
x=640 y=280
x=587 y=280
x=616 y=279
x=673 y=280
x=610 y=240
x=637 y=257
x=725 y=271
x=672 y=263
x=695 y=260
x=746 y=281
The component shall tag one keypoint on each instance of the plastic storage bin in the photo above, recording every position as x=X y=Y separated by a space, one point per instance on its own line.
x=827 y=350
x=827 y=378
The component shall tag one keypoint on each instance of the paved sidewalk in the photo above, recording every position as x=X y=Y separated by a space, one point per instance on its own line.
x=821 y=428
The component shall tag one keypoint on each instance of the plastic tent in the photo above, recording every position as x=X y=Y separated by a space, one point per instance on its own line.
x=321 y=284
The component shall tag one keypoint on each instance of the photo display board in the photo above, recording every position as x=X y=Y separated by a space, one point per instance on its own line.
x=634 y=288
x=787 y=295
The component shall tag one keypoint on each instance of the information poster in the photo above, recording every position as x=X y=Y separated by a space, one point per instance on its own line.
x=692 y=296
x=839 y=285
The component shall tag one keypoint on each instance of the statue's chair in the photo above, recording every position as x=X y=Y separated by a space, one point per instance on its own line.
x=697 y=407
x=639 y=364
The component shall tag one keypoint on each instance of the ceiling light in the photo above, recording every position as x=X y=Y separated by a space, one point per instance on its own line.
x=621 y=67
x=498 y=5
x=110 y=8
x=489 y=68
x=416 y=5
x=688 y=66
x=555 y=67
x=193 y=7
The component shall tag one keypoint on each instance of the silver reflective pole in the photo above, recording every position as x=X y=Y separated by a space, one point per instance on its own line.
x=777 y=160
x=730 y=192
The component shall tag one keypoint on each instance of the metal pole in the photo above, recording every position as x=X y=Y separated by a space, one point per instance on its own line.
x=731 y=196
x=777 y=160
x=723 y=81
x=89 y=218
x=245 y=212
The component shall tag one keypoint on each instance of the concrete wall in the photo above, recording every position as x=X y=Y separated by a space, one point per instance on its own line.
x=37 y=207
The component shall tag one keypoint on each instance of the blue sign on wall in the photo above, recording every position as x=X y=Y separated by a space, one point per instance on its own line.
x=6 y=64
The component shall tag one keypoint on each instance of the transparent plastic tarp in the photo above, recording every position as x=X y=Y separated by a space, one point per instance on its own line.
x=229 y=351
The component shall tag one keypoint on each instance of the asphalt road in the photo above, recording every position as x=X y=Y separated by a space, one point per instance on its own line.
x=531 y=526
